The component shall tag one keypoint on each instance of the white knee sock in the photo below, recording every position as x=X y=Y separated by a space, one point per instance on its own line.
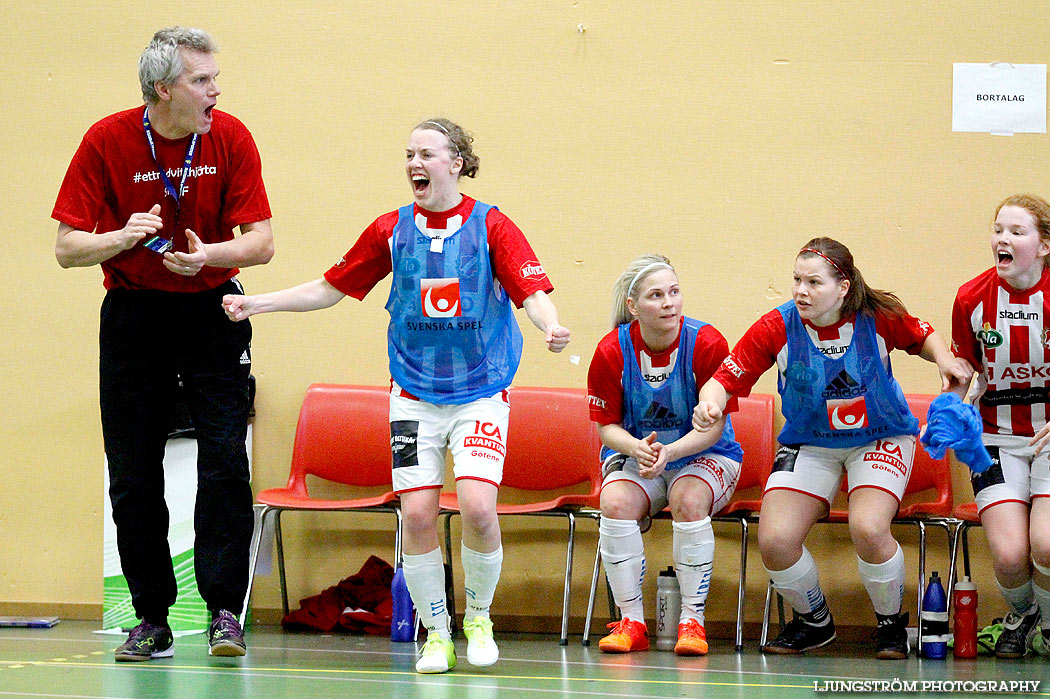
x=480 y=575
x=425 y=577
x=1019 y=598
x=1042 y=598
x=800 y=586
x=623 y=556
x=884 y=582
x=693 y=546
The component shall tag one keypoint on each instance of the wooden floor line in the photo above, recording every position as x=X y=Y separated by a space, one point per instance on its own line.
x=405 y=673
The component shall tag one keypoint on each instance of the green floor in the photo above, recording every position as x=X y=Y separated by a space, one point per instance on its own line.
x=70 y=660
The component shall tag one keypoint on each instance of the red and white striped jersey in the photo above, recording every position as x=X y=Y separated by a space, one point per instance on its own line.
x=1003 y=333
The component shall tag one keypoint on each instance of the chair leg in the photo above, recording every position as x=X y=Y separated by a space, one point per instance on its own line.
x=399 y=554
x=450 y=588
x=953 y=552
x=564 y=641
x=742 y=585
x=966 y=548
x=590 y=597
x=765 y=615
x=253 y=555
x=280 y=561
x=922 y=581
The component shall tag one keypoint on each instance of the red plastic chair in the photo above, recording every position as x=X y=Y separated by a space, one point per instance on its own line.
x=343 y=436
x=927 y=501
x=753 y=427
x=539 y=417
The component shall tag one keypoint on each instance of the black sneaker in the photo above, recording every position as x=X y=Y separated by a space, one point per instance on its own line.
x=225 y=637
x=891 y=638
x=145 y=642
x=798 y=637
x=1017 y=634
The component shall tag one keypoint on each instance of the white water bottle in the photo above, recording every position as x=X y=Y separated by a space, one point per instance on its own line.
x=668 y=609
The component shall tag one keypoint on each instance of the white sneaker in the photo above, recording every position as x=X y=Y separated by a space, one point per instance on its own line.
x=482 y=650
x=438 y=655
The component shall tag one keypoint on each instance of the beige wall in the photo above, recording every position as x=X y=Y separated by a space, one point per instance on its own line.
x=722 y=133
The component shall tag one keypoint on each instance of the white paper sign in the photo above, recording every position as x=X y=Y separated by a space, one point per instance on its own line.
x=999 y=98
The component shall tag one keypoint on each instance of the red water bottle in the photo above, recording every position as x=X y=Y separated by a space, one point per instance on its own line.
x=965 y=619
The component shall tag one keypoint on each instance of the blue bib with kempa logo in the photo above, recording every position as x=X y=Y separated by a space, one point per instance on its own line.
x=839 y=402
x=452 y=336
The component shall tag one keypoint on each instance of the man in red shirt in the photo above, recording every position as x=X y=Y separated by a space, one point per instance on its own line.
x=152 y=195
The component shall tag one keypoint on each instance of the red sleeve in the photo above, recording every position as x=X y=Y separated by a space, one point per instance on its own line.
x=245 y=195
x=368 y=262
x=80 y=197
x=709 y=352
x=964 y=343
x=755 y=352
x=605 y=381
x=514 y=263
x=903 y=332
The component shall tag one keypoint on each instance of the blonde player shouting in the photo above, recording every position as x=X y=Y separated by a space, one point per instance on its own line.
x=643 y=386
x=458 y=266
x=844 y=413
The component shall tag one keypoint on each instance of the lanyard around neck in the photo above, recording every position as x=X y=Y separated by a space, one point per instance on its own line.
x=168 y=186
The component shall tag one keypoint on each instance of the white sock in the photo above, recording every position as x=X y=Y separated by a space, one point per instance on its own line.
x=693 y=546
x=884 y=582
x=425 y=577
x=623 y=556
x=481 y=573
x=1019 y=598
x=800 y=586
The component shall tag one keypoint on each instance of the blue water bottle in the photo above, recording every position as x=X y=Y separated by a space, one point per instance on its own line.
x=402 y=620
x=934 y=620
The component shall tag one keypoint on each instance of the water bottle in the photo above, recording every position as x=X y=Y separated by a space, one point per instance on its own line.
x=668 y=609
x=402 y=618
x=965 y=597
x=934 y=620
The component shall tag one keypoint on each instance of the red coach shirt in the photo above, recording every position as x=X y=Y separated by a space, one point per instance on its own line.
x=113 y=175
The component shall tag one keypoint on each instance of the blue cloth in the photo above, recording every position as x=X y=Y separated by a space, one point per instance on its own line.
x=952 y=423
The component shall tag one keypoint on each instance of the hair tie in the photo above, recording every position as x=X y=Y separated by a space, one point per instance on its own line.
x=447 y=134
x=827 y=259
x=642 y=271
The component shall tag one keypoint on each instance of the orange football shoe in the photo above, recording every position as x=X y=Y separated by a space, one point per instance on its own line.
x=627 y=635
x=692 y=639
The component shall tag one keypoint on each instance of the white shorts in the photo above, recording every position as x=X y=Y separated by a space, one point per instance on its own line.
x=884 y=464
x=421 y=433
x=718 y=472
x=1016 y=473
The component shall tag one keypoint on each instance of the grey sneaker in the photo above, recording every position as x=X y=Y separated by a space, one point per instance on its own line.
x=145 y=642
x=225 y=637
x=1017 y=635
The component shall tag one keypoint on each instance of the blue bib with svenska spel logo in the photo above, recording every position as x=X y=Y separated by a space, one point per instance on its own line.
x=452 y=336
x=667 y=410
x=839 y=402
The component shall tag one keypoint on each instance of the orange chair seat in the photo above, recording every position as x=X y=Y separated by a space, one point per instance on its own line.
x=289 y=499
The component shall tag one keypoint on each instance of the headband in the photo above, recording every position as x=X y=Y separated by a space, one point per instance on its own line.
x=827 y=259
x=448 y=135
x=642 y=271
